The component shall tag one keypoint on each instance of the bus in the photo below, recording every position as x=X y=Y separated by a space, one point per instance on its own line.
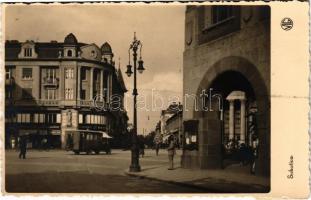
x=87 y=141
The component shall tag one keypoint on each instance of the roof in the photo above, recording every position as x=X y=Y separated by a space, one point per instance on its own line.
x=70 y=39
x=43 y=49
x=106 y=48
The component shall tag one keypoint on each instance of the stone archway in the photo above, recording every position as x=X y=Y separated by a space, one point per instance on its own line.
x=209 y=155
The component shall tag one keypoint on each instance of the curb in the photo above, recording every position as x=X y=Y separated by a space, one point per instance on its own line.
x=210 y=188
x=172 y=182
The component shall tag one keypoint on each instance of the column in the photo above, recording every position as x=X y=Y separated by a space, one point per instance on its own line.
x=101 y=84
x=91 y=83
x=79 y=83
x=231 y=120
x=242 y=119
x=108 y=87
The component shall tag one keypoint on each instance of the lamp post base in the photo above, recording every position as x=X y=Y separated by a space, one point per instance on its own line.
x=134 y=168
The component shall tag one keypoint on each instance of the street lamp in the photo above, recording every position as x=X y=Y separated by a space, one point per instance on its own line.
x=134 y=47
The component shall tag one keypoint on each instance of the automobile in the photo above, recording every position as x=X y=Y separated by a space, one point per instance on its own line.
x=88 y=141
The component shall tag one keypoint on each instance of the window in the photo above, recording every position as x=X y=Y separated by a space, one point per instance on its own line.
x=58 y=118
x=68 y=93
x=41 y=118
x=83 y=74
x=69 y=53
x=27 y=93
x=221 y=13
x=28 y=52
x=83 y=94
x=27 y=73
x=50 y=75
x=8 y=73
x=50 y=118
x=68 y=73
x=50 y=94
x=217 y=21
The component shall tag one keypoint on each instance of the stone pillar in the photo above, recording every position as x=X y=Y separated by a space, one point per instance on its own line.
x=242 y=119
x=108 y=87
x=91 y=83
x=101 y=84
x=231 y=119
x=79 y=83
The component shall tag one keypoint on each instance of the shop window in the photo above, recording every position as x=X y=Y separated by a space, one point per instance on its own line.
x=27 y=73
x=50 y=118
x=80 y=119
x=8 y=73
x=191 y=134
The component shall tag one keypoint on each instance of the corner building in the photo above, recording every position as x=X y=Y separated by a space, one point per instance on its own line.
x=50 y=88
x=227 y=52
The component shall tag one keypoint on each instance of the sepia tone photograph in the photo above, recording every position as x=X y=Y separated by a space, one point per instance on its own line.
x=124 y=98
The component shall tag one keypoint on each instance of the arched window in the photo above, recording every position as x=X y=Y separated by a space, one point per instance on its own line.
x=69 y=53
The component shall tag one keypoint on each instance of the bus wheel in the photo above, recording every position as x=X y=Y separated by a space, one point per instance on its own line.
x=97 y=152
x=77 y=152
x=88 y=152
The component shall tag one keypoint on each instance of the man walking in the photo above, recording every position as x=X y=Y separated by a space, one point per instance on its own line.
x=171 y=152
x=22 y=146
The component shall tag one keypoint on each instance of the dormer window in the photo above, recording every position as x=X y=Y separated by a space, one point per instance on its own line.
x=69 y=53
x=28 y=52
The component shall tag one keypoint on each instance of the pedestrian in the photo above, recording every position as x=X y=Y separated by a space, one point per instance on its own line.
x=157 y=147
x=171 y=152
x=141 y=147
x=23 y=146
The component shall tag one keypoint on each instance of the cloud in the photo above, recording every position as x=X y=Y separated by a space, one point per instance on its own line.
x=165 y=82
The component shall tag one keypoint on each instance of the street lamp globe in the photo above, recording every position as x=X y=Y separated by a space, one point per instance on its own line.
x=129 y=70
x=140 y=66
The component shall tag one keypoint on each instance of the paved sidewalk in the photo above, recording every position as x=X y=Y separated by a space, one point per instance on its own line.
x=230 y=180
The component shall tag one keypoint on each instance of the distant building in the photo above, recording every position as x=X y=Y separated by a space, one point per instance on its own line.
x=174 y=127
x=227 y=52
x=166 y=115
x=50 y=88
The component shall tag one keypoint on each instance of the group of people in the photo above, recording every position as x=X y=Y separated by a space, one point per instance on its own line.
x=171 y=150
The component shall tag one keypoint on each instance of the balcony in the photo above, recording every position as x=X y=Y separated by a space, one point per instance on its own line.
x=50 y=82
x=9 y=81
x=48 y=102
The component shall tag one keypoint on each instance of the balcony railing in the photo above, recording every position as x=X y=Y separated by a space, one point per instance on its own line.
x=48 y=102
x=9 y=81
x=50 y=82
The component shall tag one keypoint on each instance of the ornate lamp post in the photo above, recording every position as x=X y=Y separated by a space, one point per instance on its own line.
x=134 y=47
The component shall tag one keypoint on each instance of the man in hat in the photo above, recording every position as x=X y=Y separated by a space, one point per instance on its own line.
x=23 y=146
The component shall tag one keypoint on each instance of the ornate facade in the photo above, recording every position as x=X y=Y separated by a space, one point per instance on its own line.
x=53 y=87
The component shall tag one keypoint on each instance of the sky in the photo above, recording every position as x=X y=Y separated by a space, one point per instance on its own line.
x=160 y=29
